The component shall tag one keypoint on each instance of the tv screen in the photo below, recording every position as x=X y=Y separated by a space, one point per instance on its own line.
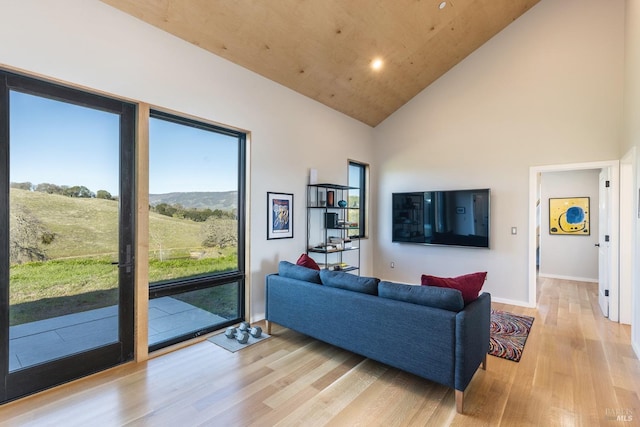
x=453 y=218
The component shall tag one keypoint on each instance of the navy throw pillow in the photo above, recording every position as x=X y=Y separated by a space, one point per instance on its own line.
x=431 y=296
x=293 y=271
x=350 y=282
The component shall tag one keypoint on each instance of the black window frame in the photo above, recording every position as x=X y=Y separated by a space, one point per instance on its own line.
x=362 y=189
x=181 y=285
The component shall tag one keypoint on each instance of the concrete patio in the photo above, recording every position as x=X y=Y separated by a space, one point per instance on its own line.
x=37 y=342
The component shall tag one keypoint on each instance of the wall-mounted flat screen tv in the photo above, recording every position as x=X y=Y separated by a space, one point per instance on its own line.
x=453 y=218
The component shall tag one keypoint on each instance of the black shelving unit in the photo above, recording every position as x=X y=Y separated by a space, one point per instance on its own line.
x=332 y=227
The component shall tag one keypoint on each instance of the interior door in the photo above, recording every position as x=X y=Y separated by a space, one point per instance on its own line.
x=66 y=234
x=604 y=245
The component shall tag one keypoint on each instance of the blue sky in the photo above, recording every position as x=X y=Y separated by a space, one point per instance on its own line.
x=62 y=144
x=182 y=158
x=66 y=144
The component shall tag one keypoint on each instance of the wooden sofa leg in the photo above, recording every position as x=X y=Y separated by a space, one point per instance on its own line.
x=484 y=363
x=268 y=327
x=459 y=401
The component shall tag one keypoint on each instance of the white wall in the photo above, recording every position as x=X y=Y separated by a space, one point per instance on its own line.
x=632 y=139
x=546 y=90
x=87 y=43
x=562 y=256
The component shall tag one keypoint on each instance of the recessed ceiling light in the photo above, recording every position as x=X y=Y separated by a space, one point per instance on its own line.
x=442 y=5
x=376 y=64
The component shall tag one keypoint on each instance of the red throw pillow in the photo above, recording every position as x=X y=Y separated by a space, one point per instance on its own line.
x=306 y=261
x=468 y=284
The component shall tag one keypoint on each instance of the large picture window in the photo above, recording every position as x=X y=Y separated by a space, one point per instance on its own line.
x=196 y=228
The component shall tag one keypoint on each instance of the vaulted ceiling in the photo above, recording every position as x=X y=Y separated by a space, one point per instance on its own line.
x=325 y=49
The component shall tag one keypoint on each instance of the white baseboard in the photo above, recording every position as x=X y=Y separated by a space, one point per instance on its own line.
x=512 y=302
x=576 y=279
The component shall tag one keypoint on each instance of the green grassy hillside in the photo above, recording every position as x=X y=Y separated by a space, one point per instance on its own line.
x=85 y=227
x=79 y=274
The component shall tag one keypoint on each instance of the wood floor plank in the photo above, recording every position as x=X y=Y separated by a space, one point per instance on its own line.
x=349 y=363
x=388 y=401
x=330 y=401
x=577 y=369
x=307 y=374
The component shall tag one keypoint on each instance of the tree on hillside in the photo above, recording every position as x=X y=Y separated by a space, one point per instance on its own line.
x=220 y=232
x=165 y=209
x=79 y=191
x=104 y=194
x=22 y=185
x=48 y=188
x=224 y=214
x=198 y=215
x=27 y=235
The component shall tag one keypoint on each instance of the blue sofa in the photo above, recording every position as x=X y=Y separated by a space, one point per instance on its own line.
x=424 y=330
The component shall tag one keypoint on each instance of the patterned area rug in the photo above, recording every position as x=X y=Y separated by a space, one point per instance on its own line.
x=509 y=333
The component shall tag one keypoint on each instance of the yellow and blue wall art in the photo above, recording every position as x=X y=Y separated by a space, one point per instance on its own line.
x=569 y=216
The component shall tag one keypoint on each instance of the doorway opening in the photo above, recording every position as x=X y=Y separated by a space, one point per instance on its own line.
x=535 y=231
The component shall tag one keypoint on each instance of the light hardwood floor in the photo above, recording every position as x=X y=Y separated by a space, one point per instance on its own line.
x=578 y=369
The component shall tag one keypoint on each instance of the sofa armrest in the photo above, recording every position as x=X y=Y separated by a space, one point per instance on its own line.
x=473 y=325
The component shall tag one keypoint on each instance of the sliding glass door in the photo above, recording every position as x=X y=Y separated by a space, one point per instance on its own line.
x=66 y=233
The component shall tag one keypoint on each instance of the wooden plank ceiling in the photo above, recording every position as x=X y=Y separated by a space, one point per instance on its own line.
x=324 y=48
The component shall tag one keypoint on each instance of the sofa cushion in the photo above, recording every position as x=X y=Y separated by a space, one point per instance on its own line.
x=306 y=261
x=293 y=271
x=350 y=282
x=468 y=284
x=431 y=296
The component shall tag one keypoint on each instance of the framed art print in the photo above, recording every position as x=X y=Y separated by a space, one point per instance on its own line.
x=569 y=216
x=279 y=216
